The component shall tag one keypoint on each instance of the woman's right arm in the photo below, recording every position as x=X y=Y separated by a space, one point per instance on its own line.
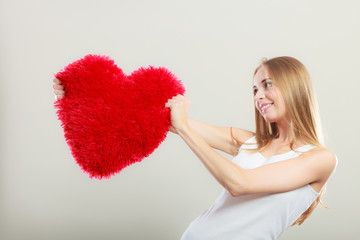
x=220 y=137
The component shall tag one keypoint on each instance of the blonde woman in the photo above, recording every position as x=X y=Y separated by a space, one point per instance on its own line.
x=278 y=172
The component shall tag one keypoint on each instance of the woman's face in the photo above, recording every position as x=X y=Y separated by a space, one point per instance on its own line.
x=268 y=98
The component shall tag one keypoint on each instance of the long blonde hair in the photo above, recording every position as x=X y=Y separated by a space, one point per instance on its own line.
x=295 y=85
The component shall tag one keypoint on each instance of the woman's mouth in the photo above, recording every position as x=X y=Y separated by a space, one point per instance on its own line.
x=265 y=107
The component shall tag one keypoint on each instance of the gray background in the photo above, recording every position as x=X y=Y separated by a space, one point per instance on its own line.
x=213 y=47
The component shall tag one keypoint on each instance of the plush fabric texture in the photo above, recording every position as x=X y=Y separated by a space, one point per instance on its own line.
x=112 y=120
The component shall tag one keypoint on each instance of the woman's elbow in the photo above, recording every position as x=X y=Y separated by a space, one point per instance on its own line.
x=235 y=193
x=238 y=183
x=239 y=189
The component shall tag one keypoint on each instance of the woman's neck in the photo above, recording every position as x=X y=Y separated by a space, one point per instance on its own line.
x=285 y=135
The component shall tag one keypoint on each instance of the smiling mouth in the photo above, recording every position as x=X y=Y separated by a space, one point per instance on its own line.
x=266 y=107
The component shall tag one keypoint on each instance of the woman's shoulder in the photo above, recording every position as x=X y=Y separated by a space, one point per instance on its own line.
x=322 y=152
x=322 y=158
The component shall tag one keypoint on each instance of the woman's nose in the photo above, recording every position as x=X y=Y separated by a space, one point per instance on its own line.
x=259 y=94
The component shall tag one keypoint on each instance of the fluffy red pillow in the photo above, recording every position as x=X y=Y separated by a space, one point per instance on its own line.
x=112 y=120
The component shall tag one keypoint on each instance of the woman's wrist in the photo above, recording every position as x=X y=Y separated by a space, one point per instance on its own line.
x=183 y=129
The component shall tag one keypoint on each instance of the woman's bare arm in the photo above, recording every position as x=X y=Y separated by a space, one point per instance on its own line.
x=316 y=165
x=220 y=137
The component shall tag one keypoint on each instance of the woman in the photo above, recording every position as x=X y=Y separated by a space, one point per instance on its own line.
x=278 y=173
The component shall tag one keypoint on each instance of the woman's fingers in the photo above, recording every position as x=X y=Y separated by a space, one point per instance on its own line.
x=57 y=81
x=174 y=100
x=179 y=106
x=58 y=97
x=59 y=92
x=58 y=89
x=169 y=103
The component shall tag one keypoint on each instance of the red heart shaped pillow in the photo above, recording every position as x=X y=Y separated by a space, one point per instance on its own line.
x=112 y=120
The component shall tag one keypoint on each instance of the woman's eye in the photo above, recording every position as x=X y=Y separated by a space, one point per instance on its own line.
x=268 y=84
x=255 y=91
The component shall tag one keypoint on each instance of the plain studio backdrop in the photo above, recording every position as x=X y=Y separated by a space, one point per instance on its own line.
x=213 y=47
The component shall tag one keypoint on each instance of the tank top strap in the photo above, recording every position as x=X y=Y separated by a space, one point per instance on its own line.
x=252 y=144
x=249 y=143
x=304 y=148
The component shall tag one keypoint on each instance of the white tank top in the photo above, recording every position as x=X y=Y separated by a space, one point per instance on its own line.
x=252 y=216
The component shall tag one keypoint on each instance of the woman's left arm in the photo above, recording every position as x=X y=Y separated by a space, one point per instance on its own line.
x=315 y=165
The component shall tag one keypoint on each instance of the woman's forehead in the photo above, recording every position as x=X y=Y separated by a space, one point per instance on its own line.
x=261 y=75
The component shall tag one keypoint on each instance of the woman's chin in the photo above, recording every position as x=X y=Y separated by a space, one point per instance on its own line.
x=269 y=119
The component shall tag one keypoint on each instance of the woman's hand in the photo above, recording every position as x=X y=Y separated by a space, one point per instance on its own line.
x=179 y=107
x=59 y=90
